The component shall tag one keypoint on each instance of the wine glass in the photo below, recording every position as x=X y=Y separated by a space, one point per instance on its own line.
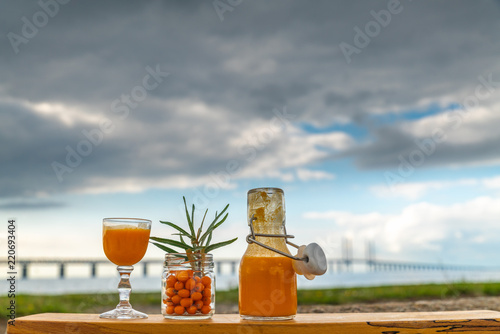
x=125 y=241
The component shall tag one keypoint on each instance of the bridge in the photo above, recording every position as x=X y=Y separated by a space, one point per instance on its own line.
x=62 y=264
x=335 y=265
x=345 y=262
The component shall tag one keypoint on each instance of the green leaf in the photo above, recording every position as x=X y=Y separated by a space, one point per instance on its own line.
x=214 y=224
x=192 y=219
x=218 y=245
x=197 y=249
x=211 y=228
x=180 y=229
x=209 y=239
x=190 y=222
x=171 y=242
x=201 y=226
x=164 y=248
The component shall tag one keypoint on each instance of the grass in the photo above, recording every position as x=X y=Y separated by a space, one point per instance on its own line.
x=340 y=296
x=96 y=303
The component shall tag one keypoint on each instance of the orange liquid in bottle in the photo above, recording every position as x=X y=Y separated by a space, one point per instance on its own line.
x=268 y=287
x=125 y=246
x=268 y=283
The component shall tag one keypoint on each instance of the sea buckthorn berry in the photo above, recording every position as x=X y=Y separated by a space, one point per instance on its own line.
x=171 y=281
x=197 y=279
x=179 y=285
x=170 y=310
x=207 y=300
x=192 y=309
x=196 y=296
x=183 y=275
x=170 y=292
x=190 y=273
x=199 y=287
x=186 y=302
x=206 y=280
x=198 y=304
x=169 y=303
x=190 y=283
x=184 y=293
x=179 y=310
x=205 y=309
x=207 y=293
x=176 y=299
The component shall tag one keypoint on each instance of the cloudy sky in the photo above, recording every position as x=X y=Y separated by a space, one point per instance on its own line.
x=378 y=119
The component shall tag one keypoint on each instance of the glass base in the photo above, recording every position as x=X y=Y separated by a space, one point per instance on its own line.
x=251 y=317
x=188 y=317
x=123 y=313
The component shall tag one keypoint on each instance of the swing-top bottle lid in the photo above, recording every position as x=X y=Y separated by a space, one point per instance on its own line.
x=315 y=263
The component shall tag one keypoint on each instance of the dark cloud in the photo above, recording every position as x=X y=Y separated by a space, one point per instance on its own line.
x=26 y=205
x=226 y=77
x=383 y=152
x=391 y=148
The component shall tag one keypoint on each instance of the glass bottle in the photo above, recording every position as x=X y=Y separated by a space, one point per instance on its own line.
x=188 y=286
x=268 y=283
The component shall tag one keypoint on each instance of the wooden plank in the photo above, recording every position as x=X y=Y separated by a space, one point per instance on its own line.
x=479 y=322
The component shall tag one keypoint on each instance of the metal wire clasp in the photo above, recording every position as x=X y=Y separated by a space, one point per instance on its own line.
x=251 y=239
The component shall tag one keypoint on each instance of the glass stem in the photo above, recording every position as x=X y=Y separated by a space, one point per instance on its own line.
x=124 y=286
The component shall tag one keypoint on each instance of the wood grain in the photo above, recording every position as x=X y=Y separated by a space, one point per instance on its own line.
x=342 y=323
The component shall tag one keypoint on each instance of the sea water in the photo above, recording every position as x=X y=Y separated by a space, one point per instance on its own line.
x=51 y=286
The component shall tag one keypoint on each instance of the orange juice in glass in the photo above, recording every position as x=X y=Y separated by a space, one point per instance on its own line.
x=125 y=241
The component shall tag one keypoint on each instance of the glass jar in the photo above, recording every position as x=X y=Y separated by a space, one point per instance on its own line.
x=188 y=286
x=268 y=283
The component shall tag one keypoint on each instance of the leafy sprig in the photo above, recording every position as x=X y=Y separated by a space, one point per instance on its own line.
x=199 y=240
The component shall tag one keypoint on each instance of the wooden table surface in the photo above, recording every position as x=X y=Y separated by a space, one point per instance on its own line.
x=480 y=322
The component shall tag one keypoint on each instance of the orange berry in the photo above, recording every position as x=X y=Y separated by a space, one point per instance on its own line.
x=205 y=309
x=171 y=281
x=196 y=296
x=207 y=292
x=179 y=285
x=206 y=280
x=179 y=310
x=207 y=300
x=170 y=292
x=190 y=283
x=199 y=287
x=190 y=273
x=184 y=293
x=197 y=279
x=169 y=303
x=192 y=309
x=183 y=275
x=198 y=304
x=186 y=302
x=176 y=299
x=170 y=310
